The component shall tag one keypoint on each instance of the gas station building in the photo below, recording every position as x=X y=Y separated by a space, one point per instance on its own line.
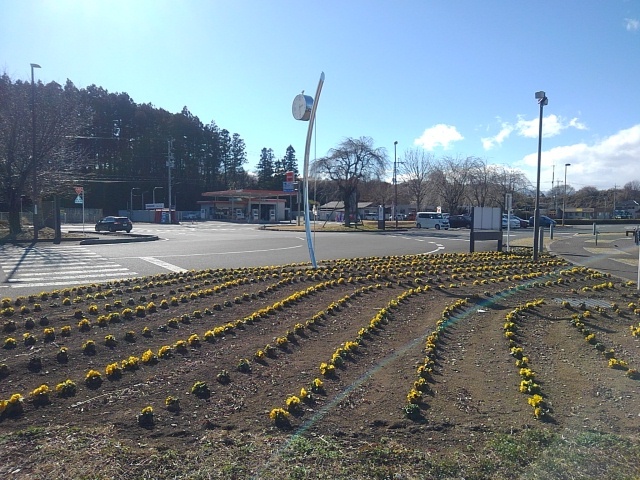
x=252 y=206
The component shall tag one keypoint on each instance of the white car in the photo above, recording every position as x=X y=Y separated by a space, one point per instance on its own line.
x=514 y=222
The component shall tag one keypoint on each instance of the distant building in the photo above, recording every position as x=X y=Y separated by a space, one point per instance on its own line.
x=247 y=205
x=334 y=211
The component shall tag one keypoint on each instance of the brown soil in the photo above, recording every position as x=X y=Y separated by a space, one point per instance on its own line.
x=472 y=393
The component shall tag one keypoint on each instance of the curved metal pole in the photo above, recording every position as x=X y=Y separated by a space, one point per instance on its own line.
x=307 y=224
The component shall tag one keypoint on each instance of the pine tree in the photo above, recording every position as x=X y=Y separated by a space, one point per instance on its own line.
x=266 y=169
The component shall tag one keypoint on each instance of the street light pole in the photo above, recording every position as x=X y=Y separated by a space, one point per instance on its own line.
x=33 y=152
x=542 y=101
x=154 y=193
x=395 y=183
x=170 y=164
x=564 y=198
x=131 y=204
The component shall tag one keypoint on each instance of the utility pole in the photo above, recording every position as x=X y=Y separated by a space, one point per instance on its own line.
x=555 y=194
x=34 y=163
x=395 y=183
x=170 y=164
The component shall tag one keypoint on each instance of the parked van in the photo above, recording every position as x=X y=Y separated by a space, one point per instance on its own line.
x=431 y=220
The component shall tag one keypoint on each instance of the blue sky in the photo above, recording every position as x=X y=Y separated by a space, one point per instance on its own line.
x=452 y=77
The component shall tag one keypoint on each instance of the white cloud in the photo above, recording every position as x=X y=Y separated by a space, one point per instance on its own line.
x=439 y=135
x=489 y=142
x=552 y=125
x=608 y=162
x=632 y=24
x=575 y=123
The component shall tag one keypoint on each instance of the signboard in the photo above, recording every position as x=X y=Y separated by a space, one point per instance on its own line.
x=153 y=206
x=289 y=176
x=288 y=187
x=78 y=189
x=79 y=199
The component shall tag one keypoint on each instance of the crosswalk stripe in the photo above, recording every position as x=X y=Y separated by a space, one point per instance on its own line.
x=75 y=274
x=56 y=266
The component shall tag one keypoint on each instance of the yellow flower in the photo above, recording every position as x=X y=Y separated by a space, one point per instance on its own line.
x=414 y=396
x=293 y=403
x=279 y=415
x=535 y=400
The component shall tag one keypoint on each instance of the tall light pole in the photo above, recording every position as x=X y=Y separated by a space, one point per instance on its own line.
x=170 y=165
x=542 y=101
x=564 y=198
x=33 y=152
x=395 y=182
x=154 y=193
x=131 y=204
x=304 y=108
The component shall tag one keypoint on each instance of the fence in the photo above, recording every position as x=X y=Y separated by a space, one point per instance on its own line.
x=67 y=215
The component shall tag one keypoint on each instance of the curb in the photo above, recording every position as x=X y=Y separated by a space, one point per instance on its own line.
x=106 y=238
x=99 y=241
x=355 y=230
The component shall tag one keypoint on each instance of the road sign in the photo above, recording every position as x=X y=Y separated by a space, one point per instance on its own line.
x=79 y=199
x=79 y=190
x=153 y=206
x=288 y=187
x=289 y=176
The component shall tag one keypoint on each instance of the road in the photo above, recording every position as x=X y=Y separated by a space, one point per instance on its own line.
x=31 y=269
x=27 y=270
x=611 y=251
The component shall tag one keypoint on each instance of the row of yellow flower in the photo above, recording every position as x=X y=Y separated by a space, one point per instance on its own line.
x=577 y=320
x=527 y=376
x=166 y=349
x=280 y=416
x=425 y=369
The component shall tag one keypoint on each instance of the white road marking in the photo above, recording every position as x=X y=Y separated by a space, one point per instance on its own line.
x=56 y=266
x=210 y=254
x=163 y=264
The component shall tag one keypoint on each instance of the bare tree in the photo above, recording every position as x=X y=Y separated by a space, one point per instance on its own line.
x=505 y=180
x=630 y=191
x=451 y=178
x=378 y=192
x=587 y=197
x=348 y=164
x=415 y=169
x=480 y=184
x=59 y=117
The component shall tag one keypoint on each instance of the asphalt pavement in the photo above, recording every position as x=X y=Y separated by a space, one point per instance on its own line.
x=610 y=251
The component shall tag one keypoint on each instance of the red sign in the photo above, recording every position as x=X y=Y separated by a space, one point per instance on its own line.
x=289 y=177
x=79 y=190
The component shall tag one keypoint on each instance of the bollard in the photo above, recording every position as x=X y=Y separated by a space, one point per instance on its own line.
x=541 y=239
x=551 y=231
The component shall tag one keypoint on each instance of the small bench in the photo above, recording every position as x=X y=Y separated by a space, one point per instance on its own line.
x=631 y=231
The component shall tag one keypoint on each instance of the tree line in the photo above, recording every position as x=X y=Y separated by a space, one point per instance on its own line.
x=53 y=137
x=354 y=171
